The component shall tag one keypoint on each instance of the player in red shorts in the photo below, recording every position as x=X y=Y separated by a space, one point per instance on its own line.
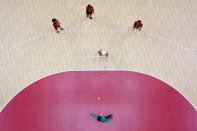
x=89 y=11
x=138 y=25
x=56 y=25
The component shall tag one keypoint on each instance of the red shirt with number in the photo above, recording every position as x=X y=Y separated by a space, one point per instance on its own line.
x=56 y=24
x=90 y=9
x=138 y=24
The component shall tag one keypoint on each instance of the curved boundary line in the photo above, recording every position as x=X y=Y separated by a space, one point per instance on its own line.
x=1 y=109
x=101 y=30
x=191 y=51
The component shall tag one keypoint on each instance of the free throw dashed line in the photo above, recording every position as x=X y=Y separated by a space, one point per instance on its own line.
x=100 y=30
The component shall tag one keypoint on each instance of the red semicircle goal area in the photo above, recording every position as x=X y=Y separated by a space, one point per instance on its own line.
x=63 y=101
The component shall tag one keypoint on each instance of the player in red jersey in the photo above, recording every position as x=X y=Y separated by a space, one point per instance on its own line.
x=89 y=11
x=56 y=25
x=138 y=25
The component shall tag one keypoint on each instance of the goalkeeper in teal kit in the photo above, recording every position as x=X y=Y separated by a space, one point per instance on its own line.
x=102 y=118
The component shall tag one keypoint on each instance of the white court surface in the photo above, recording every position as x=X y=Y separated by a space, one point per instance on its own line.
x=165 y=48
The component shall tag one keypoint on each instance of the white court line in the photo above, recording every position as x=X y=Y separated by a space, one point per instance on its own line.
x=171 y=42
x=99 y=56
x=123 y=30
x=26 y=42
x=82 y=31
x=1 y=109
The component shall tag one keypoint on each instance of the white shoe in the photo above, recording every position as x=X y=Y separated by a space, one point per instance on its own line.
x=135 y=30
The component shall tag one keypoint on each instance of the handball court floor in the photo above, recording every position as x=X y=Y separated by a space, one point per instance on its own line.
x=165 y=48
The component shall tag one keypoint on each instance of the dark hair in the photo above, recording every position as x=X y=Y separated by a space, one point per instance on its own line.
x=99 y=118
x=53 y=20
x=139 y=21
x=109 y=116
x=88 y=5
